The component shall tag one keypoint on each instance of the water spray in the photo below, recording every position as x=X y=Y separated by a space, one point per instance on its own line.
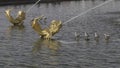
x=87 y=11
x=33 y=6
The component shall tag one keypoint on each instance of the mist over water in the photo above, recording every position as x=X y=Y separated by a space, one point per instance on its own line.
x=21 y=47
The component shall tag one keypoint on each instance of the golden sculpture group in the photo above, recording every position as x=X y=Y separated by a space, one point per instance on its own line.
x=45 y=33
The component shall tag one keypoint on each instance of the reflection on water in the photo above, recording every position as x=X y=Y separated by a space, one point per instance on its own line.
x=21 y=48
x=42 y=44
x=15 y=30
x=12 y=27
x=47 y=50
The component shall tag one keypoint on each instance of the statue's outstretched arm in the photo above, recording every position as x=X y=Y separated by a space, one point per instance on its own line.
x=9 y=17
x=36 y=26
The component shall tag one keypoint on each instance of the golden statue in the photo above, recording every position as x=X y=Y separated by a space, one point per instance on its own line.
x=18 y=20
x=48 y=32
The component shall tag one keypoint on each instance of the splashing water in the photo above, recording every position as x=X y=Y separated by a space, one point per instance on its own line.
x=33 y=6
x=87 y=11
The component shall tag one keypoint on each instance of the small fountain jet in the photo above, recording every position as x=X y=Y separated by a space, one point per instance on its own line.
x=77 y=36
x=107 y=37
x=86 y=36
x=96 y=36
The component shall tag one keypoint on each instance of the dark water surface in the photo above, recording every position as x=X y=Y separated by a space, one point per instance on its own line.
x=21 y=47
